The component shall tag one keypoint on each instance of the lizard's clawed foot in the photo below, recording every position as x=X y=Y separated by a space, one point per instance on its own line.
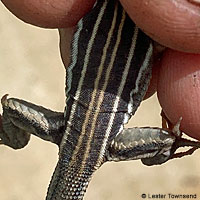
x=186 y=153
x=3 y=99
x=176 y=128
x=179 y=142
x=182 y=142
x=1 y=130
x=11 y=135
x=166 y=124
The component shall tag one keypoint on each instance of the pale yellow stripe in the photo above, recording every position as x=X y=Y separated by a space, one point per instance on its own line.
x=86 y=61
x=120 y=90
x=101 y=95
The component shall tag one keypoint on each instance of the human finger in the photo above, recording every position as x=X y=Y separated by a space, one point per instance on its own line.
x=179 y=90
x=172 y=23
x=49 y=13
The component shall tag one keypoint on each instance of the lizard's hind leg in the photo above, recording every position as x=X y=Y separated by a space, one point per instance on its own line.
x=21 y=118
x=141 y=143
x=153 y=146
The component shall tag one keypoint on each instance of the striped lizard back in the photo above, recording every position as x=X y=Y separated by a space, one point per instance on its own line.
x=106 y=80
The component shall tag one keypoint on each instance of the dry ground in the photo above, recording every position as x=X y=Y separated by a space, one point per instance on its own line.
x=30 y=68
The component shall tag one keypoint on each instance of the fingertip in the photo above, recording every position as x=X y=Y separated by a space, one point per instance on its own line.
x=179 y=90
x=174 y=24
x=49 y=13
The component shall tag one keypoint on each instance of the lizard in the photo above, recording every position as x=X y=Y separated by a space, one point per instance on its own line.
x=106 y=80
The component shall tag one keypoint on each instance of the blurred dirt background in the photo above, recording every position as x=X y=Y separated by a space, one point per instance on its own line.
x=31 y=69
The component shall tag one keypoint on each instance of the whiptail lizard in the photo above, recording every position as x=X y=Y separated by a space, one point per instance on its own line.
x=106 y=80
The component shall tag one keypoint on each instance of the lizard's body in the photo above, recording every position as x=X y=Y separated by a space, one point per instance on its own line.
x=106 y=80
x=103 y=88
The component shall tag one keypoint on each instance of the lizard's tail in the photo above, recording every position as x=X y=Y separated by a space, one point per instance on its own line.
x=68 y=183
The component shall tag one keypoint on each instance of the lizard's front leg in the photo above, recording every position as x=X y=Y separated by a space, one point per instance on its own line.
x=21 y=118
x=153 y=146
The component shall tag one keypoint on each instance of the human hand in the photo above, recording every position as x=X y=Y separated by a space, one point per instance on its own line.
x=173 y=23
